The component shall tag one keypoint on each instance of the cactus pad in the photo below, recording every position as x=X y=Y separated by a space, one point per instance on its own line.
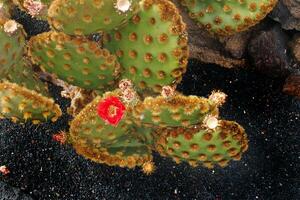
x=198 y=145
x=226 y=16
x=152 y=47
x=5 y=9
x=176 y=111
x=101 y=142
x=12 y=41
x=23 y=75
x=77 y=61
x=21 y=104
x=90 y=16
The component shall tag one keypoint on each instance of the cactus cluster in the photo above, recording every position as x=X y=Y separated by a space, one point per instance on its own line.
x=23 y=96
x=133 y=72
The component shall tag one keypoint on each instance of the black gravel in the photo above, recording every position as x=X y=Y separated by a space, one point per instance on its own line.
x=270 y=168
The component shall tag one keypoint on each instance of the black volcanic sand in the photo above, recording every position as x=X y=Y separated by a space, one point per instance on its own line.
x=268 y=170
x=43 y=169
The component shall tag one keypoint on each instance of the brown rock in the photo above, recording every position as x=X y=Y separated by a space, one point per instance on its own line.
x=207 y=48
x=287 y=13
x=292 y=85
x=268 y=52
x=296 y=47
x=293 y=6
x=236 y=44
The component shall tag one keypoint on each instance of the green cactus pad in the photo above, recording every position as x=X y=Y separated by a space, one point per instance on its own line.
x=21 y=104
x=23 y=75
x=5 y=9
x=77 y=61
x=175 y=111
x=101 y=142
x=152 y=47
x=12 y=41
x=144 y=134
x=198 y=145
x=226 y=17
x=89 y=16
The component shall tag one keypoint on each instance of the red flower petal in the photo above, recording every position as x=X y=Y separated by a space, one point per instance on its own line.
x=111 y=110
x=60 y=137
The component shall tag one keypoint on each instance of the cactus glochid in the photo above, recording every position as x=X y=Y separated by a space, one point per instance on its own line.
x=123 y=87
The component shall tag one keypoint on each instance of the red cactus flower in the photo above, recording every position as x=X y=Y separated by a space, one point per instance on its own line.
x=111 y=110
x=60 y=137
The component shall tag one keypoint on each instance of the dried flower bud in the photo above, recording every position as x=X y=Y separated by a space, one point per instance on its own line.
x=129 y=95
x=211 y=122
x=167 y=91
x=148 y=168
x=123 y=5
x=125 y=84
x=4 y=170
x=10 y=27
x=218 y=97
x=34 y=8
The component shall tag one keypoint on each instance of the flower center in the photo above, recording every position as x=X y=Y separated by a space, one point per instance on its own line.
x=112 y=111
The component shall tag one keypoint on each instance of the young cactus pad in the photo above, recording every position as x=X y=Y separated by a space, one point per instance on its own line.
x=77 y=61
x=226 y=16
x=175 y=111
x=21 y=104
x=89 y=16
x=199 y=145
x=152 y=47
x=94 y=138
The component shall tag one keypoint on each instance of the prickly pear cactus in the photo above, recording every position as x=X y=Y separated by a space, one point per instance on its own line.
x=201 y=145
x=176 y=111
x=226 y=16
x=12 y=41
x=104 y=141
x=23 y=75
x=22 y=105
x=152 y=47
x=78 y=61
x=143 y=51
x=23 y=97
x=90 y=15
